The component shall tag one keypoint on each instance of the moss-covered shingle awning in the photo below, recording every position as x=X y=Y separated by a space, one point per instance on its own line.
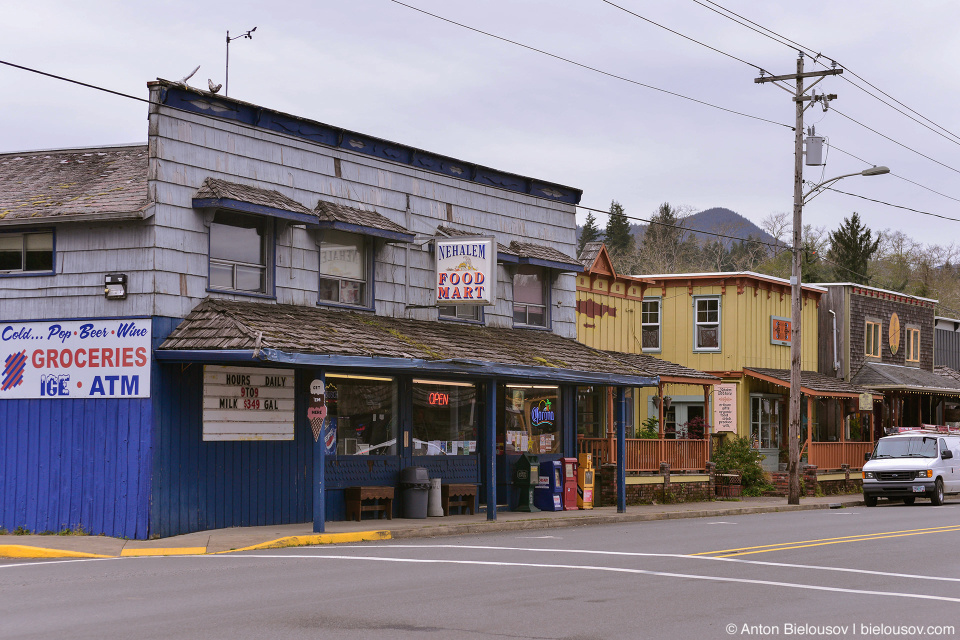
x=812 y=383
x=232 y=196
x=664 y=369
x=370 y=223
x=225 y=330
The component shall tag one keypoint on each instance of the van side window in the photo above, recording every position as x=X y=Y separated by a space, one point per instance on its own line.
x=943 y=446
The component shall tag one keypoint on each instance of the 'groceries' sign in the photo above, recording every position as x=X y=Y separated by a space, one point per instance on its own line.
x=75 y=359
x=466 y=270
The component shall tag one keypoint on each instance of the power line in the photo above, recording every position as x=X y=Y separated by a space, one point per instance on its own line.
x=702 y=44
x=872 y=164
x=779 y=38
x=896 y=206
x=838 y=112
x=588 y=67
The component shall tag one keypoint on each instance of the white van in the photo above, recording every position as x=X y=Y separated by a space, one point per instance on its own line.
x=913 y=464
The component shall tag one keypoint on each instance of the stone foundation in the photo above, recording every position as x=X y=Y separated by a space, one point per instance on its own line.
x=666 y=489
x=811 y=480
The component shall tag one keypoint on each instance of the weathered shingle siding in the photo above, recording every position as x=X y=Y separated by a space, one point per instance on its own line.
x=85 y=253
x=188 y=148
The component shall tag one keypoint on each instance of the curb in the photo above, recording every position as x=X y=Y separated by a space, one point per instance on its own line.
x=434 y=531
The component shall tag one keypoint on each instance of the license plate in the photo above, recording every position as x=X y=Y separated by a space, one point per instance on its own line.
x=918 y=489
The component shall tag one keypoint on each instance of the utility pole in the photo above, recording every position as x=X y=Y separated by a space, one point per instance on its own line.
x=799 y=97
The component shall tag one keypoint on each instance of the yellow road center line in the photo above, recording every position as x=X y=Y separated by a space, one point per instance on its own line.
x=883 y=533
x=820 y=544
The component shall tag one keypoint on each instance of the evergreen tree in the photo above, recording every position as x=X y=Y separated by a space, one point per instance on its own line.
x=851 y=247
x=664 y=248
x=617 y=233
x=619 y=240
x=590 y=232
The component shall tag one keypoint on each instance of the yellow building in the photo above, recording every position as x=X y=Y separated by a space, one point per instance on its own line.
x=733 y=325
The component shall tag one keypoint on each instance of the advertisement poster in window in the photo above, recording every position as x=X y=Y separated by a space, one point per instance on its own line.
x=466 y=270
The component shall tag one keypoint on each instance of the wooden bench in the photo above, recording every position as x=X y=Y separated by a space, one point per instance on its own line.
x=458 y=495
x=381 y=497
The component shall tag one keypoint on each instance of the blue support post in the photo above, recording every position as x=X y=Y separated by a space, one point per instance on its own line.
x=621 y=426
x=490 y=449
x=319 y=464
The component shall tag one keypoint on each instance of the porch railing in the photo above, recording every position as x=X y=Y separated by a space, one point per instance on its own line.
x=831 y=455
x=646 y=455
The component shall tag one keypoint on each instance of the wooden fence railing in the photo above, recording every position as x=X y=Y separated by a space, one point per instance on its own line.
x=830 y=455
x=646 y=455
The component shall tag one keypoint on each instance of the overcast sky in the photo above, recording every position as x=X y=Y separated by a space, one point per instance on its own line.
x=379 y=68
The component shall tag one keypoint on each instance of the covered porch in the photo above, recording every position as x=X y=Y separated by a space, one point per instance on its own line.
x=912 y=397
x=651 y=439
x=836 y=417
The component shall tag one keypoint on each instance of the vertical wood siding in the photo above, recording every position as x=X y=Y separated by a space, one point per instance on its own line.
x=71 y=464
x=211 y=485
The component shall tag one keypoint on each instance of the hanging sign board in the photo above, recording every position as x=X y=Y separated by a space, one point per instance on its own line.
x=866 y=402
x=725 y=408
x=247 y=403
x=75 y=359
x=780 y=330
x=466 y=270
x=317 y=408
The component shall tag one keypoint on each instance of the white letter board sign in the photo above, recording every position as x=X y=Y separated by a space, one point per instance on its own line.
x=466 y=270
x=247 y=403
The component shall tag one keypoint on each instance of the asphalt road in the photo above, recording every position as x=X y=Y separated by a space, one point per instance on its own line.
x=864 y=573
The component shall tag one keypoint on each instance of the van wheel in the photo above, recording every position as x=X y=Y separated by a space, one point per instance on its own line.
x=937 y=498
x=870 y=501
x=909 y=500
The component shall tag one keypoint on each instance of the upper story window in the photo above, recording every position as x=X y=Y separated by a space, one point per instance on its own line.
x=470 y=312
x=29 y=252
x=344 y=269
x=706 y=324
x=650 y=325
x=530 y=296
x=872 y=339
x=241 y=253
x=913 y=345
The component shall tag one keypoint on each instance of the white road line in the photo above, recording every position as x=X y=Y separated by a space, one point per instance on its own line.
x=639 y=554
x=663 y=574
x=48 y=562
x=720 y=522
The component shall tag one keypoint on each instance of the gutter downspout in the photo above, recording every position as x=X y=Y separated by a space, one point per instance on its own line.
x=836 y=360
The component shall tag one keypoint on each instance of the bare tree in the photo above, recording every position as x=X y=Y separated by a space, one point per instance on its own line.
x=778 y=224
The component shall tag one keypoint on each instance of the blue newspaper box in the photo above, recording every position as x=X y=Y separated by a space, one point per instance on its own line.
x=548 y=494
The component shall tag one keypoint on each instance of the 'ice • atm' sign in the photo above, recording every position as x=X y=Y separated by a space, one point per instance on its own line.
x=466 y=270
x=75 y=359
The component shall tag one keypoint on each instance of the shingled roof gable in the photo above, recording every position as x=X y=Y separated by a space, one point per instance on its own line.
x=664 y=368
x=238 y=325
x=885 y=376
x=73 y=184
x=813 y=381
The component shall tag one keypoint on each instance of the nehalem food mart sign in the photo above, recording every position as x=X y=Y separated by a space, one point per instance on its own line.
x=466 y=270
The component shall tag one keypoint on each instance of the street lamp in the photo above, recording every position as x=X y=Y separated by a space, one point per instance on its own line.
x=819 y=188
x=793 y=495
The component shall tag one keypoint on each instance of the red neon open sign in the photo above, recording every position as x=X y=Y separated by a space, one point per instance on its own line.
x=439 y=399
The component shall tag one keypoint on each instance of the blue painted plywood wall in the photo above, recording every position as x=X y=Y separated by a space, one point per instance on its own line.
x=72 y=464
x=201 y=485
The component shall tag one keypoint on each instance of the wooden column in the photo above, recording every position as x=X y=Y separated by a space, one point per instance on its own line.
x=611 y=432
x=809 y=425
x=621 y=450
x=489 y=456
x=660 y=410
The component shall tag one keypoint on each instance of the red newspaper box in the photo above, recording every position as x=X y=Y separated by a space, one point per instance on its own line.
x=569 y=484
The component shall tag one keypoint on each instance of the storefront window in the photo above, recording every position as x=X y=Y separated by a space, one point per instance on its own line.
x=364 y=412
x=765 y=415
x=445 y=416
x=531 y=420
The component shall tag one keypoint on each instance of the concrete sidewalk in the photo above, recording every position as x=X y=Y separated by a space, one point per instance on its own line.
x=294 y=535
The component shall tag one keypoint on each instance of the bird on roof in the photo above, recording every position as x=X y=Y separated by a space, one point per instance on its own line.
x=213 y=87
x=184 y=79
